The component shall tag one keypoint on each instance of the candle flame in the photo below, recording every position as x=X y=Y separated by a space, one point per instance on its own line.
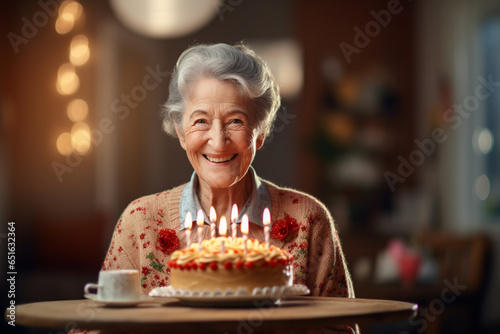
x=223 y=226
x=234 y=213
x=189 y=221
x=199 y=218
x=266 y=217
x=213 y=215
x=244 y=224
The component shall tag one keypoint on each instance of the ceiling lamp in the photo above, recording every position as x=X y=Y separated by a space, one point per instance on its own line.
x=165 y=18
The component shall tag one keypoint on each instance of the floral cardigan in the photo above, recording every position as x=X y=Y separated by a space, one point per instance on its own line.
x=148 y=232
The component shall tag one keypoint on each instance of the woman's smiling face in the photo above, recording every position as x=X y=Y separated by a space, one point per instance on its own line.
x=218 y=132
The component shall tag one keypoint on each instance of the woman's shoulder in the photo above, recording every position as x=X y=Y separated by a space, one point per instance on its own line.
x=166 y=197
x=162 y=207
x=300 y=205
x=289 y=196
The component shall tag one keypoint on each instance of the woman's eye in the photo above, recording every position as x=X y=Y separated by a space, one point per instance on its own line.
x=200 y=121
x=237 y=121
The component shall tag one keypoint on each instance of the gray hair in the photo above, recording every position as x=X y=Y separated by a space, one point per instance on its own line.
x=237 y=64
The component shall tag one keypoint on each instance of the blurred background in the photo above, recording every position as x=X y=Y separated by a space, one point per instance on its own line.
x=391 y=117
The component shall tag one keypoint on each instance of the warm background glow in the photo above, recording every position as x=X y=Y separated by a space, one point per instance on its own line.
x=81 y=90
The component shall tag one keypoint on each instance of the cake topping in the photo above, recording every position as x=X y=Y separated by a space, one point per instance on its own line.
x=211 y=251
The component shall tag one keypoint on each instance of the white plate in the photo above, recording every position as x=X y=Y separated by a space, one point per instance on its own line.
x=258 y=298
x=129 y=303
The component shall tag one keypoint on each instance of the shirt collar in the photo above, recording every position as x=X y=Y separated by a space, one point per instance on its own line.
x=254 y=207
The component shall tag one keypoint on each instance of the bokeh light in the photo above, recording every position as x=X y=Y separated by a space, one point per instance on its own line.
x=64 y=25
x=485 y=141
x=63 y=144
x=69 y=12
x=482 y=187
x=67 y=80
x=77 y=110
x=80 y=138
x=79 y=50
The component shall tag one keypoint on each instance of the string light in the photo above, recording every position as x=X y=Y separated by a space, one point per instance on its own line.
x=68 y=82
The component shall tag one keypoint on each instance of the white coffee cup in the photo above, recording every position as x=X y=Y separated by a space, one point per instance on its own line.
x=120 y=285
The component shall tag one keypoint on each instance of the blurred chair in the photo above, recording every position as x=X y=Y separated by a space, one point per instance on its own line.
x=464 y=263
x=463 y=260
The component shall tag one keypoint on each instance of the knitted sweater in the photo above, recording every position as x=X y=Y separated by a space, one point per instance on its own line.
x=318 y=259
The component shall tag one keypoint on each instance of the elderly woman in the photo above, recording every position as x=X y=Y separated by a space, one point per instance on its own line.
x=222 y=103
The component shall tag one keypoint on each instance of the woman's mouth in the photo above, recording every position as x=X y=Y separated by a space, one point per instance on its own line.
x=220 y=159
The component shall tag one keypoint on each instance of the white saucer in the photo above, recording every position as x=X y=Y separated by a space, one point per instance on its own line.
x=128 y=303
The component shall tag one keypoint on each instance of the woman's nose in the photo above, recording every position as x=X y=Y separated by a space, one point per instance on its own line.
x=218 y=136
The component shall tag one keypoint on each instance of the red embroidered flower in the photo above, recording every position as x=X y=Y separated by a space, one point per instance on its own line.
x=292 y=247
x=279 y=229
x=292 y=224
x=312 y=219
x=145 y=271
x=283 y=227
x=167 y=240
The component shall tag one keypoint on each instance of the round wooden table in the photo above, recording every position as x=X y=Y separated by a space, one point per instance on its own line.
x=169 y=315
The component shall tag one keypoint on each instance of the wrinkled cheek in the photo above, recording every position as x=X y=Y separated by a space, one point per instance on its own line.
x=192 y=156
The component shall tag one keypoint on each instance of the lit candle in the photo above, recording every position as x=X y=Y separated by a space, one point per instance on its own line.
x=266 y=220
x=187 y=223
x=222 y=232
x=213 y=219
x=244 y=231
x=234 y=216
x=200 y=221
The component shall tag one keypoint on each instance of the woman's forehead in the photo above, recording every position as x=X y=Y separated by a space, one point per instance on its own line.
x=209 y=92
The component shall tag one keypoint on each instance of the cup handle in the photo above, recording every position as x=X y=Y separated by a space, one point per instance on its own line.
x=90 y=286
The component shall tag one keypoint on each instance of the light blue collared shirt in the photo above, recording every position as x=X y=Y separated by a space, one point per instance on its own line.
x=254 y=207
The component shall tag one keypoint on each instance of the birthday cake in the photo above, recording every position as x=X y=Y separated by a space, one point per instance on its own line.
x=255 y=266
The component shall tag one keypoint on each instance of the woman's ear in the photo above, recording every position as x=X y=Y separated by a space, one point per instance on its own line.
x=180 y=135
x=260 y=140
